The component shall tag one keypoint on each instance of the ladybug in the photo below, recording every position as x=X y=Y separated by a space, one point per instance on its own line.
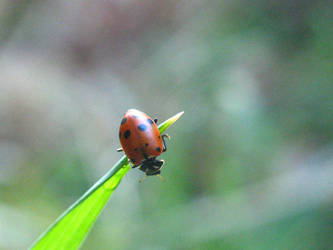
x=142 y=142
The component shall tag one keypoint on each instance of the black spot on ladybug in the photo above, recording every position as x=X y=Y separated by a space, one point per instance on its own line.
x=146 y=144
x=132 y=160
x=135 y=149
x=123 y=121
x=150 y=121
x=158 y=149
x=119 y=134
x=127 y=134
x=142 y=127
x=159 y=137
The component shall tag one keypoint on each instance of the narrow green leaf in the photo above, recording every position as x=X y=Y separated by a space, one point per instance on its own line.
x=70 y=229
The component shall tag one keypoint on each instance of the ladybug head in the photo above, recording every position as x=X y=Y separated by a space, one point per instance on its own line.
x=152 y=167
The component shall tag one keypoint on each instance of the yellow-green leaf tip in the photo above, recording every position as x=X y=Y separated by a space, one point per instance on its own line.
x=162 y=127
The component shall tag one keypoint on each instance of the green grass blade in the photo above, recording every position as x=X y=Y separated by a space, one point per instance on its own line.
x=71 y=228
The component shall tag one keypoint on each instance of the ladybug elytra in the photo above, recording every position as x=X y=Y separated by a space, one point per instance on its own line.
x=142 y=142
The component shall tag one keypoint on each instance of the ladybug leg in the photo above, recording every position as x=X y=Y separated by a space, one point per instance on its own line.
x=163 y=140
x=157 y=174
x=119 y=149
x=132 y=165
x=155 y=120
x=142 y=179
x=161 y=177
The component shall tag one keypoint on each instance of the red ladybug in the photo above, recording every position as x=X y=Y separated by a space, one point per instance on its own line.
x=142 y=142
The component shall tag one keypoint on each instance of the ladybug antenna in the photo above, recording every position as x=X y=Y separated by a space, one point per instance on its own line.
x=142 y=179
x=161 y=177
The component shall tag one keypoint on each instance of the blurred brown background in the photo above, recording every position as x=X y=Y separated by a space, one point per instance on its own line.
x=249 y=165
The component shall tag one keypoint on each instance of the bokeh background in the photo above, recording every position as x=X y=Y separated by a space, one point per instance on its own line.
x=249 y=165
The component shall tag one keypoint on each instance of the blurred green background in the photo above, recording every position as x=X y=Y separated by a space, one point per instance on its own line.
x=249 y=165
